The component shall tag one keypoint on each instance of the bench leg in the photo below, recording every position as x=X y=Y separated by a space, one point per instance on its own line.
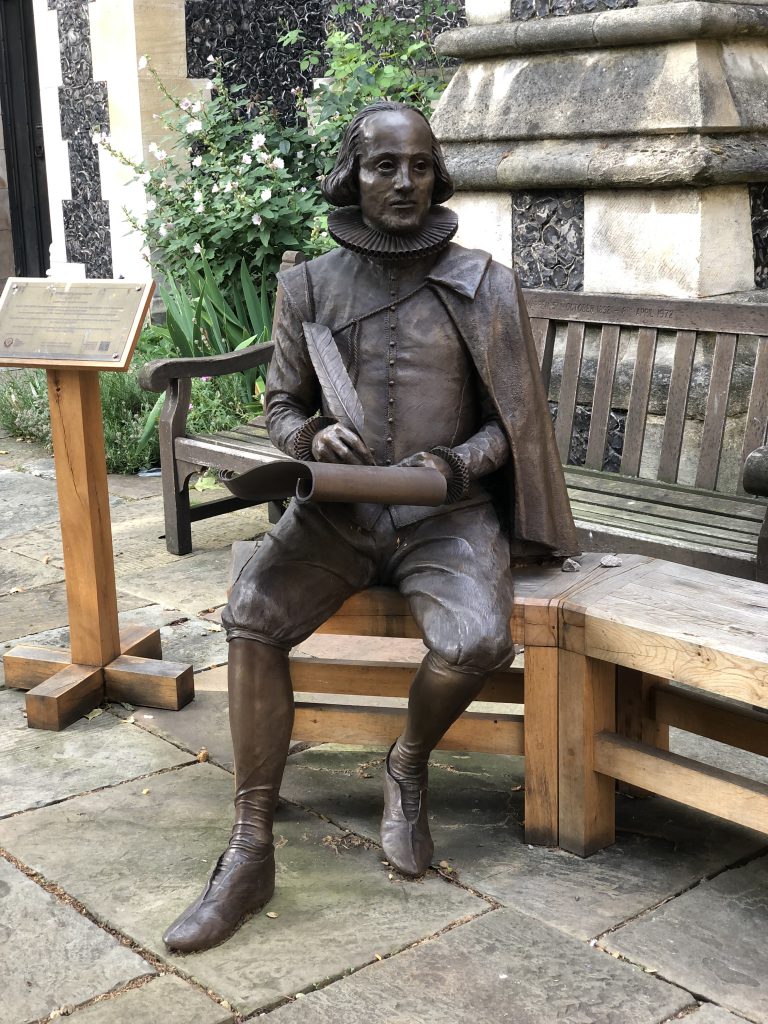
x=587 y=705
x=178 y=524
x=636 y=716
x=540 y=731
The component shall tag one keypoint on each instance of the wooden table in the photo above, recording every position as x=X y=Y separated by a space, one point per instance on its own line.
x=647 y=622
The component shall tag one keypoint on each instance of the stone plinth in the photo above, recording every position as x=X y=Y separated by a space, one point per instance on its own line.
x=663 y=104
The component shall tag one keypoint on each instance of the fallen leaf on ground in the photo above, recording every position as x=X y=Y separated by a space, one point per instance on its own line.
x=271 y=915
x=95 y=713
x=144 y=792
x=203 y=755
x=46 y=559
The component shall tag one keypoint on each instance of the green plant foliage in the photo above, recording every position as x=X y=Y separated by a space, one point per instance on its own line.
x=231 y=184
x=384 y=58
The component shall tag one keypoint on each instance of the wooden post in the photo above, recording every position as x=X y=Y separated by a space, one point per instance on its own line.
x=587 y=706
x=78 y=445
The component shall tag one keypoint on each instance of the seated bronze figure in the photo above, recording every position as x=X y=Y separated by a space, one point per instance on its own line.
x=437 y=344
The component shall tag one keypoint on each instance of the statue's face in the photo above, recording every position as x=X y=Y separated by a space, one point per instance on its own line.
x=397 y=175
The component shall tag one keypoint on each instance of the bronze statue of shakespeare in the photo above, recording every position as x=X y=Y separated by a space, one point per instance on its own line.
x=437 y=342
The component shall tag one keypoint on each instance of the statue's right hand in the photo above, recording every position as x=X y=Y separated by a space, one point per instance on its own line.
x=337 y=443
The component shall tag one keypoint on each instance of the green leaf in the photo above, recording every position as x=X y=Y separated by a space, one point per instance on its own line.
x=151 y=421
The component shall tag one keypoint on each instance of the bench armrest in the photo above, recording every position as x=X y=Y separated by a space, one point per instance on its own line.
x=756 y=472
x=157 y=375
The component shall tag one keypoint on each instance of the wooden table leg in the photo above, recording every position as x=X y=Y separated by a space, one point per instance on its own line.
x=587 y=705
x=636 y=716
x=541 y=760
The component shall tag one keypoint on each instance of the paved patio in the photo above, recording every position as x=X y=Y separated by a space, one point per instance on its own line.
x=109 y=828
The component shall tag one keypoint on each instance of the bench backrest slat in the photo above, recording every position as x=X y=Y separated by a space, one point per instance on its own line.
x=601 y=405
x=677 y=401
x=757 y=413
x=544 y=340
x=717 y=406
x=634 y=430
x=574 y=346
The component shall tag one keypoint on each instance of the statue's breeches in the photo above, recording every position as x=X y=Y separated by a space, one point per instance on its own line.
x=453 y=568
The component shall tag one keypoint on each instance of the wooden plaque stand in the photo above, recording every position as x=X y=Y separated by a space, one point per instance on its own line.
x=102 y=663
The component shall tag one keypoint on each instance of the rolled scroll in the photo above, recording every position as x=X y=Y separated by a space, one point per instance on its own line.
x=325 y=481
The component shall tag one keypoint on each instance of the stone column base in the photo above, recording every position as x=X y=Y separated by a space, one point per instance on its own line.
x=687 y=243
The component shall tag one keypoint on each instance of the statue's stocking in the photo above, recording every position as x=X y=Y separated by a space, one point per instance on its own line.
x=261 y=714
x=439 y=694
x=261 y=719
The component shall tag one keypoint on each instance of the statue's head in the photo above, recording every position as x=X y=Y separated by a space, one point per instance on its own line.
x=390 y=165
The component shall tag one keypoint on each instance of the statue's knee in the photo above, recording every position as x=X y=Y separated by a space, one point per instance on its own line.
x=481 y=654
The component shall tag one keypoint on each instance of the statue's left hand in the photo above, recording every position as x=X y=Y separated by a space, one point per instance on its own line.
x=426 y=460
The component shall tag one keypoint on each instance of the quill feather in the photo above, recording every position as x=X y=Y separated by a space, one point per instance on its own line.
x=338 y=389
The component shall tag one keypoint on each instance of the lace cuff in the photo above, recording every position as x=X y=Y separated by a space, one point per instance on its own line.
x=301 y=442
x=458 y=485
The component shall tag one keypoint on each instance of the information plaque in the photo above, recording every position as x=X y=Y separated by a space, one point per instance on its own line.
x=91 y=325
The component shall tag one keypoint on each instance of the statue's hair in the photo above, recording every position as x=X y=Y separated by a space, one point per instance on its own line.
x=341 y=186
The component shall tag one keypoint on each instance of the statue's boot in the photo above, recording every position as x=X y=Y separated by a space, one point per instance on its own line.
x=261 y=719
x=438 y=695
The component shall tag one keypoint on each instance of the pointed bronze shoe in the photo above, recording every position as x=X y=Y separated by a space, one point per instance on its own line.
x=407 y=843
x=239 y=886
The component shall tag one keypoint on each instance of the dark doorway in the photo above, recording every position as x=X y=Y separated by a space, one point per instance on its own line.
x=23 y=131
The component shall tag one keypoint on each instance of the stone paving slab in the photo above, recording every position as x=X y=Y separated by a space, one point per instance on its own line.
x=710 y=1014
x=50 y=766
x=501 y=967
x=711 y=940
x=18 y=572
x=28 y=502
x=202 y=724
x=33 y=611
x=719 y=755
x=50 y=955
x=477 y=824
x=337 y=908
x=164 y=1000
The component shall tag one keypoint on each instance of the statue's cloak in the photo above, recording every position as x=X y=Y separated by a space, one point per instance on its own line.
x=485 y=303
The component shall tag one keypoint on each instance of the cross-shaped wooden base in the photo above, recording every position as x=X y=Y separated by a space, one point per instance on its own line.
x=59 y=692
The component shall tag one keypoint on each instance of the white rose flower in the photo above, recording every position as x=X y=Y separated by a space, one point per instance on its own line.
x=152 y=147
x=214 y=188
x=145 y=178
x=197 y=248
x=151 y=205
x=258 y=141
x=228 y=187
x=247 y=158
x=278 y=163
x=263 y=157
x=210 y=59
x=197 y=106
x=256 y=219
x=143 y=62
x=198 y=196
x=194 y=126
x=200 y=208
x=96 y=138
x=266 y=195
x=163 y=230
x=302 y=189
x=198 y=160
x=186 y=103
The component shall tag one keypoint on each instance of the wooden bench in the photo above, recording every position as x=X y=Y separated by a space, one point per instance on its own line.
x=642 y=475
x=659 y=403
x=650 y=622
